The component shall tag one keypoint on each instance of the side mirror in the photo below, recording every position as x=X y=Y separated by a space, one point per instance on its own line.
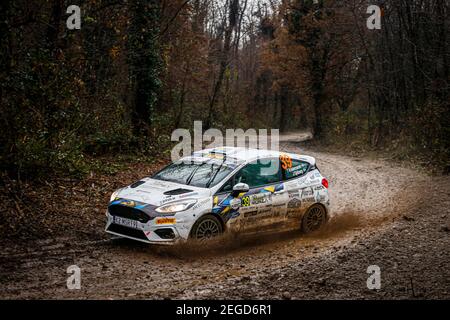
x=239 y=188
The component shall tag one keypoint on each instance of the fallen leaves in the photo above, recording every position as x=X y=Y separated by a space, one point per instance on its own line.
x=60 y=206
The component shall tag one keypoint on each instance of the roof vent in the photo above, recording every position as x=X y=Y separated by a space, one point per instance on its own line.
x=137 y=184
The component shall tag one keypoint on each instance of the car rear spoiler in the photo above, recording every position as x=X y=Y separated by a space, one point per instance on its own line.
x=310 y=160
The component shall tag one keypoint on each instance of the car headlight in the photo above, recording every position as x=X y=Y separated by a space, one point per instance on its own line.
x=114 y=195
x=176 y=207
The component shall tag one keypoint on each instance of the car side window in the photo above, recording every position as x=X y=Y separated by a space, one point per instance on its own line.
x=228 y=186
x=259 y=173
x=298 y=169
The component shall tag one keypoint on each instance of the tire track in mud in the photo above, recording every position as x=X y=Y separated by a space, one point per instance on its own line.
x=366 y=195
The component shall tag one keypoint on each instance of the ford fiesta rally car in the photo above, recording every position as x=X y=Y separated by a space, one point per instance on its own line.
x=221 y=189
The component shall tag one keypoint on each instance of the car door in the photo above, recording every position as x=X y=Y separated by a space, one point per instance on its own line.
x=263 y=177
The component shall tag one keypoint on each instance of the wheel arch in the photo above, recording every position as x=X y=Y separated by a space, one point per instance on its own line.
x=219 y=217
x=215 y=215
x=319 y=204
x=315 y=204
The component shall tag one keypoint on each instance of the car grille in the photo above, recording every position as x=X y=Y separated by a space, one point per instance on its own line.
x=138 y=234
x=129 y=213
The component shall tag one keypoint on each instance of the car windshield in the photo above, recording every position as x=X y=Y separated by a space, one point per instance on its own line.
x=197 y=174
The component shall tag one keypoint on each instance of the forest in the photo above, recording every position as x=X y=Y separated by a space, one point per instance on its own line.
x=92 y=93
x=136 y=70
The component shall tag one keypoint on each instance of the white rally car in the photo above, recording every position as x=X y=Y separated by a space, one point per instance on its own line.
x=218 y=190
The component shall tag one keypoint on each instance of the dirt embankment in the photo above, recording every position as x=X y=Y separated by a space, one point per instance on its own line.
x=383 y=215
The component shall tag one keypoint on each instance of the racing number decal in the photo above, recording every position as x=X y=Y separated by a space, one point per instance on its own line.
x=245 y=201
x=286 y=161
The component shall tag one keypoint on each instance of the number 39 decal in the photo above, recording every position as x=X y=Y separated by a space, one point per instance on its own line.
x=286 y=161
x=245 y=201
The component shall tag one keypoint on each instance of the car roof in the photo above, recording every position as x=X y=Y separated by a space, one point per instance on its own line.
x=247 y=154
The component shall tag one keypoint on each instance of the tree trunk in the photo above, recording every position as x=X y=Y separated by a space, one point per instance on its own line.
x=224 y=60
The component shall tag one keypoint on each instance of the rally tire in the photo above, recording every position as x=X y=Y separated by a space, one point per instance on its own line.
x=206 y=227
x=314 y=219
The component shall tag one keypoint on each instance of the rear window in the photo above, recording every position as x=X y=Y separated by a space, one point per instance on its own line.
x=297 y=169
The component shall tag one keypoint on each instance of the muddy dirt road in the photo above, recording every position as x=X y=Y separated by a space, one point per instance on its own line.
x=383 y=214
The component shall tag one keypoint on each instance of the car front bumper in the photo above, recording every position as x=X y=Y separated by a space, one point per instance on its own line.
x=149 y=232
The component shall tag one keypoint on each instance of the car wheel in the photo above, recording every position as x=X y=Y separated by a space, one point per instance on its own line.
x=314 y=218
x=206 y=227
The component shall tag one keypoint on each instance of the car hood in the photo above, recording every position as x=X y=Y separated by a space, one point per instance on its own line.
x=158 y=192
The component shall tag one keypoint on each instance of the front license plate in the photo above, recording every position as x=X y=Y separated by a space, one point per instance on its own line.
x=126 y=222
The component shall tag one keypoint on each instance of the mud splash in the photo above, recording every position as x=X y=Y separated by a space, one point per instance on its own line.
x=234 y=242
x=349 y=221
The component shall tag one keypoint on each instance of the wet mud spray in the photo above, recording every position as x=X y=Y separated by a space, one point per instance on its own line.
x=234 y=242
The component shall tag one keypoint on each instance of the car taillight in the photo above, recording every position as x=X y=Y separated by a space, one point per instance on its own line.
x=325 y=183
